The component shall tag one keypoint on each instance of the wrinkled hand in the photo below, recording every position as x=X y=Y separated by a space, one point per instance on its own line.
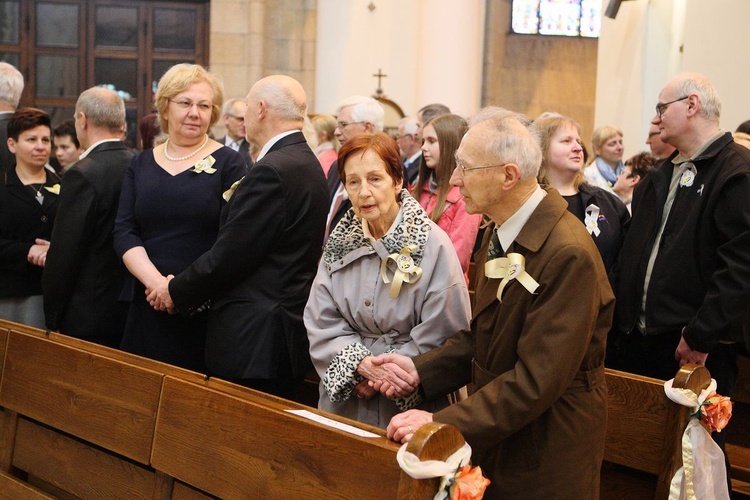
x=158 y=296
x=38 y=252
x=400 y=375
x=364 y=391
x=403 y=426
x=684 y=354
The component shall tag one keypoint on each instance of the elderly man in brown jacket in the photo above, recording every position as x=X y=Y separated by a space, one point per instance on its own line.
x=535 y=353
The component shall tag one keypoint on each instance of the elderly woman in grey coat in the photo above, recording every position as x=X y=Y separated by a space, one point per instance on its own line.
x=389 y=281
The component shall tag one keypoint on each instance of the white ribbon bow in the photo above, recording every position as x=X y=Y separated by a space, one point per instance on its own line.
x=592 y=220
x=703 y=473
x=406 y=270
x=508 y=268
x=204 y=165
x=229 y=192
x=688 y=175
x=418 y=469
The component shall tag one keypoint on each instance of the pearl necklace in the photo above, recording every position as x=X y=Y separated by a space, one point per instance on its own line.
x=166 y=153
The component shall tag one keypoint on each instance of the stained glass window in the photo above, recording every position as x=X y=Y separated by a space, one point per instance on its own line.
x=557 y=17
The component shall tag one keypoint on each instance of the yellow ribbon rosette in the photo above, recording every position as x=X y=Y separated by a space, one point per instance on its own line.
x=406 y=270
x=509 y=268
x=229 y=192
x=204 y=165
x=53 y=189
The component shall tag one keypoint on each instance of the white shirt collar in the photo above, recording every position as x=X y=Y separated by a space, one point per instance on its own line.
x=267 y=146
x=86 y=153
x=510 y=229
x=413 y=157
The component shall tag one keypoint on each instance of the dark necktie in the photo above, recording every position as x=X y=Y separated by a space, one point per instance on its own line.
x=495 y=249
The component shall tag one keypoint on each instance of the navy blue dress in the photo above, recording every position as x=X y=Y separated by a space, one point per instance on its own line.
x=176 y=219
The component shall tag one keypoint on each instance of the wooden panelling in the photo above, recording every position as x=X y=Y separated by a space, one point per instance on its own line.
x=238 y=448
x=12 y=488
x=87 y=395
x=75 y=467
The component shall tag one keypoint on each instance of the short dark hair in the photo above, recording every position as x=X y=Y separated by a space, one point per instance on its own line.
x=68 y=127
x=744 y=127
x=25 y=119
x=640 y=164
x=382 y=145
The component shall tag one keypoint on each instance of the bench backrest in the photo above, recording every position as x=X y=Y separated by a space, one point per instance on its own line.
x=95 y=422
x=644 y=427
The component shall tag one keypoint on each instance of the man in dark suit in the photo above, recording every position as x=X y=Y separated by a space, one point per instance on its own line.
x=410 y=147
x=354 y=115
x=233 y=113
x=83 y=277
x=259 y=272
x=11 y=88
x=536 y=421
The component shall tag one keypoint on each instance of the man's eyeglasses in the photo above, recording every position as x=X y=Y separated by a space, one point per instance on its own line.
x=203 y=107
x=662 y=106
x=343 y=125
x=465 y=169
x=238 y=118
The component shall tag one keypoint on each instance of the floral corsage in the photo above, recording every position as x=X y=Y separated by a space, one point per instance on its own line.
x=204 y=166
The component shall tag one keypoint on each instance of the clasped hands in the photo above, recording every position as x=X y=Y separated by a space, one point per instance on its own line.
x=157 y=295
x=394 y=376
x=38 y=252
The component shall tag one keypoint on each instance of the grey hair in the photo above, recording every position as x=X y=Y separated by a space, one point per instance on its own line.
x=103 y=108
x=513 y=141
x=11 y=84
x=226 y=110
x=364 y=109
x=281 y=101
x=693 y=83
x=410 y=125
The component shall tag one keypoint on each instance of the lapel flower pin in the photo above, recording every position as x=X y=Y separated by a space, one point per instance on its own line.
x=204 y=165
x=229 y=192
x=53 y=189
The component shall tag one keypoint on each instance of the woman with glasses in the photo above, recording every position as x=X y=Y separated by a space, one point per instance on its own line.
x=171 y=199
x=603 y=214
x=443 y=202
x=28 y=204
x=389 y=281
x=607 y=163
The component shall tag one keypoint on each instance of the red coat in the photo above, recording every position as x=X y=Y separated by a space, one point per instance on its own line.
x=462 y=228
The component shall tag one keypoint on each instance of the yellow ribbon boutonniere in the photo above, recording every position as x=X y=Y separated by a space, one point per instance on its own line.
x=511 y=267
x=406 y=270
x=204 y=165
x=53 y=189
x=229 y=192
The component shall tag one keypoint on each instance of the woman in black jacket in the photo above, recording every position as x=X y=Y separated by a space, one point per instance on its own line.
x=603 y=213
x=28 y=203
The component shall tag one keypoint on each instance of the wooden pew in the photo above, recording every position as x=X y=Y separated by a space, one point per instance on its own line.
x=81 y=420
x=643 y=446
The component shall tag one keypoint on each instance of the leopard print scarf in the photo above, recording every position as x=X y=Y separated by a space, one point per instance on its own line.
x=348 y=236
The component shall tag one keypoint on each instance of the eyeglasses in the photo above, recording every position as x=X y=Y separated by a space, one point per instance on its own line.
x=343 y=125
x=662 y=106
x=465 y=169
x=399 y=137
x=651 y=134
x=238 y=118
x=203 y=107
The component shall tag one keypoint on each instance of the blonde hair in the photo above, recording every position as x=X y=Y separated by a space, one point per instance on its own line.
x=326 y=125
x=178 y=79
x=602 y=135
x=547 y=127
